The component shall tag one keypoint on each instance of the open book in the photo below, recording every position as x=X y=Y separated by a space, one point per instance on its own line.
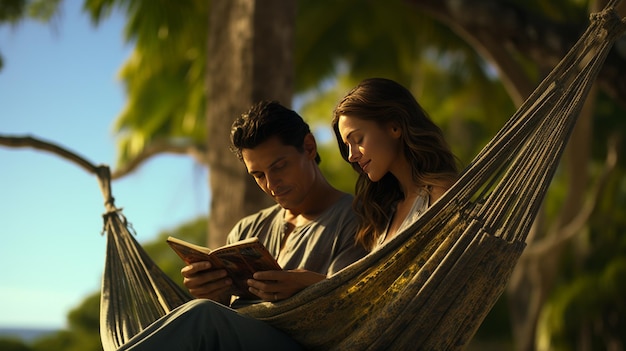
x=240 y=259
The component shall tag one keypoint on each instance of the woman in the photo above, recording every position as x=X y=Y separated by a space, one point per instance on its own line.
x=402 y=158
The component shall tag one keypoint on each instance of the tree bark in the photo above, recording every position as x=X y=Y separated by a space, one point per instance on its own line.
x=250 y=58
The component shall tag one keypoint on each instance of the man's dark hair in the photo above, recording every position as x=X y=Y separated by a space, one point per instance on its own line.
x=265 y=120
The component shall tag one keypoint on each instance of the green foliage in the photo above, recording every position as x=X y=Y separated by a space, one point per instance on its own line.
x=12 y=10
x=85 y=316
x=591 y=310
x=165 y=75
x=470 y=107
x=608 y=121
x=69 y=341
x=43 y=10
x=316 y=108
x=83 y=332
x=364 y=25
x=558 y=10
x=376 y=38
x=588 y=304
x=337 y=171
x=15 y=11
x=13 y=344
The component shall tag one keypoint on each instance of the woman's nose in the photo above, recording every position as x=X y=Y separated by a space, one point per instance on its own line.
x=353 y=154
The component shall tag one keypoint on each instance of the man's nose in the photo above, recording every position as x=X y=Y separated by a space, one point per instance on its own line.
x=272 y=184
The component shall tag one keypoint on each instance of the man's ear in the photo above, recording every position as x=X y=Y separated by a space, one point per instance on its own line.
x=310 y=146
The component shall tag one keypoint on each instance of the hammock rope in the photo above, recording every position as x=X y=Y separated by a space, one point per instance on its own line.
x=433 y=284
x=135 y=291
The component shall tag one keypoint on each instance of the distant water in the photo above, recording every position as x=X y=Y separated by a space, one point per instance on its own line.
x=26 y=334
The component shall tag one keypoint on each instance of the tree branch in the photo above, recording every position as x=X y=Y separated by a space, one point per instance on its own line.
x=197 y=152
x=103 y=172
x=39 y=144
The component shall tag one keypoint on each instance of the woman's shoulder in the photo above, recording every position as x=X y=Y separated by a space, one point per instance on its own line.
x=437 y=190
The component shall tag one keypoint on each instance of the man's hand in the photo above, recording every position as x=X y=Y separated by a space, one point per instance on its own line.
x=205 y=283
x=278 y=285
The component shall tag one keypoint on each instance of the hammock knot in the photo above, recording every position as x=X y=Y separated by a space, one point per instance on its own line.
x=104 y=178
x=609 y=20
x=110 y=215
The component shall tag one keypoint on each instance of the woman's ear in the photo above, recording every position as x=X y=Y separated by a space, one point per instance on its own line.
x=395 y=130
x=310 y=146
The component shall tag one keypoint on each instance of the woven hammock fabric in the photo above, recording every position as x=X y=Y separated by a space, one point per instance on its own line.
x=433 y=284
x=135 y=291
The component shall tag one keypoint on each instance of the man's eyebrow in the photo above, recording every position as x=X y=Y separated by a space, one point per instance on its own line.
x=280 y=158
x=271 y=165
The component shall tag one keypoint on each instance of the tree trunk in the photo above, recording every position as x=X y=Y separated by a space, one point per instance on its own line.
x=250 y=58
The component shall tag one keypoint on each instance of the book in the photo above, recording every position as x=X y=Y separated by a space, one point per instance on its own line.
x=241 y=260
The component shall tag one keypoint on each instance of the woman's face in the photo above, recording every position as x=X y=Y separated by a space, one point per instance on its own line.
x=375 y=148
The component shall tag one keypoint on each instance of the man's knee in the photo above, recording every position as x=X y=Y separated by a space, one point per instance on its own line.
x=202 y=307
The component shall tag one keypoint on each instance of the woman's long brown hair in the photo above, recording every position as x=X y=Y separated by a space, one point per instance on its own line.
x=432 y=162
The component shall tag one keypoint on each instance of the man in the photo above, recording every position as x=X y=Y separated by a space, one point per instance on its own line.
x=310 y=231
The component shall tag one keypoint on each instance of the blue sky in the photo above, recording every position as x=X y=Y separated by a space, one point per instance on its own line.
x=59 y=83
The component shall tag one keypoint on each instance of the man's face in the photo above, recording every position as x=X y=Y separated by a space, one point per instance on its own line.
x=281 y=171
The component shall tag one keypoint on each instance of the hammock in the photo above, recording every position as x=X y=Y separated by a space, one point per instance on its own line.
x=433 y=284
